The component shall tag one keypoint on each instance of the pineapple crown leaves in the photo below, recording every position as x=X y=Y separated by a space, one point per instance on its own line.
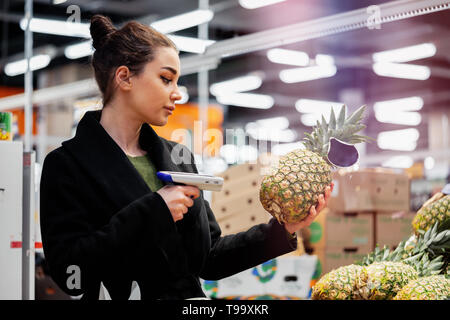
x=341 y=128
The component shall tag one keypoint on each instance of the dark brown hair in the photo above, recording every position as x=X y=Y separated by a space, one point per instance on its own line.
x=133 y=46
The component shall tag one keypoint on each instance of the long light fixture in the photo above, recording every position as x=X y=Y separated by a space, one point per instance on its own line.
x=275 y=122
x=57 y=27
x=290 y=57
x=284 y=148
x=313 y=110
x=248 y=100
x=244 y=83
x=271 y=129
x=399 y=111
x=399 y=70
x=189 y=44
x=398 y=162
x=19 y=67
x=307 y=73
x=253 y=4
x=79 y=50
x=183 y=21
x=420 y=51
x=401 y=140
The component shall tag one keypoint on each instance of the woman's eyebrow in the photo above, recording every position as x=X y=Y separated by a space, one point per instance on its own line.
x=171 y=70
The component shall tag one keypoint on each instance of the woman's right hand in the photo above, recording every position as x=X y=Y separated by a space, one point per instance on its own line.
x=178 y=199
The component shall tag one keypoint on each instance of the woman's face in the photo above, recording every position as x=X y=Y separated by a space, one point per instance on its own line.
x=155 y=89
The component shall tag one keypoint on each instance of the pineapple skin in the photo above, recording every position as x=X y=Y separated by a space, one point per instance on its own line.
x=343 y=283
x=437 y=210
x=426 y=288
x=294 y=185
x=386 y=279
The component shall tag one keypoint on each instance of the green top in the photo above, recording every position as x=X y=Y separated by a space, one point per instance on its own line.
x=147 y=170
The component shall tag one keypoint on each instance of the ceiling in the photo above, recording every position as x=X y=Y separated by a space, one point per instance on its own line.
x=355 y=83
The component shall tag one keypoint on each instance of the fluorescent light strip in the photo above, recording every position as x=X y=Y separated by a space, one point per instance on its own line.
x=253 y=4
x=276 y=122
x=403 y=104
x=286 y=135
x=183 y=21
x=245 y=83
x=189 y=44
x=402 y=140
x=57 y=27
x=79 y=50
x=290 y=57
x=284 y=148
x=307 y=73
x=316 y=106
x=399 y=162
x=400 y=117
x=248 y=100
x=324 y=60
x=19 y=67
x=403 y=71
x=406 y=54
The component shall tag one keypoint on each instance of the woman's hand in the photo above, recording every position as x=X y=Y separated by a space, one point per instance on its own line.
x=179 y=199
x=313 y=212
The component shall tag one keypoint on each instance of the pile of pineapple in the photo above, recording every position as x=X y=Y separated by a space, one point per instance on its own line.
x=416 y=270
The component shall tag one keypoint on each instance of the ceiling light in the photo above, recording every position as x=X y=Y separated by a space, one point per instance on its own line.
x=189 y=44
x=399 y=162
x=307 y=73
x=316 y=106
x=57 y=27
x=402 y=140
x=183 y=21
x=286 y=135
x=404 y=71
x=245 y=83
x=275 y=123
x=406 y=54
x=284 y=148
x=291 y=57
x=184 y=95
x=19 y=67
x=429 y=163
x=400 y=117
x=248 y=100
x=253 y=4
x=324 y=60
x=79 y=50
x=404 y=104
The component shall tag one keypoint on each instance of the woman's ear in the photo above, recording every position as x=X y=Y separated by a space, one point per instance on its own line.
x=122 y=78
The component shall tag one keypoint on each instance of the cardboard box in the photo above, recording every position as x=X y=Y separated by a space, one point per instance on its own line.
x=242 y=222
x=333 y=258
x=391 y=228
x=370 y=190
x=289 y=276
x=240 y=203
x=347 y=230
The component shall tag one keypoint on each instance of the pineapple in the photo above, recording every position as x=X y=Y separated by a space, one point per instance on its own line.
x=340 y=284
x=385 y=279
x=436 y=209
x=426 y=288
x=295 y=183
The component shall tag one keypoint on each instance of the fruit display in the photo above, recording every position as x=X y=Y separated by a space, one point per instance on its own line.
x=295 y=183
x=436 y=209
x=426 y=288
x=416 y=270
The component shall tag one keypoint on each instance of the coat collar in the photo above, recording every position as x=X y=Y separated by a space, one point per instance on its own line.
x=107 y=164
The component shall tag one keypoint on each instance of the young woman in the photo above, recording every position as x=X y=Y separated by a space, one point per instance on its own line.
x=106 y=218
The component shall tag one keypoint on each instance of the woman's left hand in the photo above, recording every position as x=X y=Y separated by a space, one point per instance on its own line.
x=313 y=212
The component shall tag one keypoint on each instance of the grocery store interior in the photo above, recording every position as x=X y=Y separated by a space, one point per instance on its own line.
x=256 y=77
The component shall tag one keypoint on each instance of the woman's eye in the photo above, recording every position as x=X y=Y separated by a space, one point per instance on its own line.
x=166 y=81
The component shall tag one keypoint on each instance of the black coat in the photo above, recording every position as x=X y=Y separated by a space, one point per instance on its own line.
x=97 y=213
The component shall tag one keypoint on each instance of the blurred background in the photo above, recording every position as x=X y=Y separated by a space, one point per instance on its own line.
x=260 y=73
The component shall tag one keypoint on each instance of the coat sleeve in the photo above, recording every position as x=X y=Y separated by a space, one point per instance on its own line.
x=69 y=239
x=231 y=254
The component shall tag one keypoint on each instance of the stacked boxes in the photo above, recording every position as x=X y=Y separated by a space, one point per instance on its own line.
x=367 y=207
x=237 y=206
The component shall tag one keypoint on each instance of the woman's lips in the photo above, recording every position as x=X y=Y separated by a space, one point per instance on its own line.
x=170 y=109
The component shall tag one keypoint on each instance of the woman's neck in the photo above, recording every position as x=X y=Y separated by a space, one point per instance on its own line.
x=123 y=129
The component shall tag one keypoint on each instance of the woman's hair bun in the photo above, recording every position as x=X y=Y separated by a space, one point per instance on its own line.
x=101 y=27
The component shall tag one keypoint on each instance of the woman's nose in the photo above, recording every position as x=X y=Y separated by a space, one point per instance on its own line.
x=176 y=95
